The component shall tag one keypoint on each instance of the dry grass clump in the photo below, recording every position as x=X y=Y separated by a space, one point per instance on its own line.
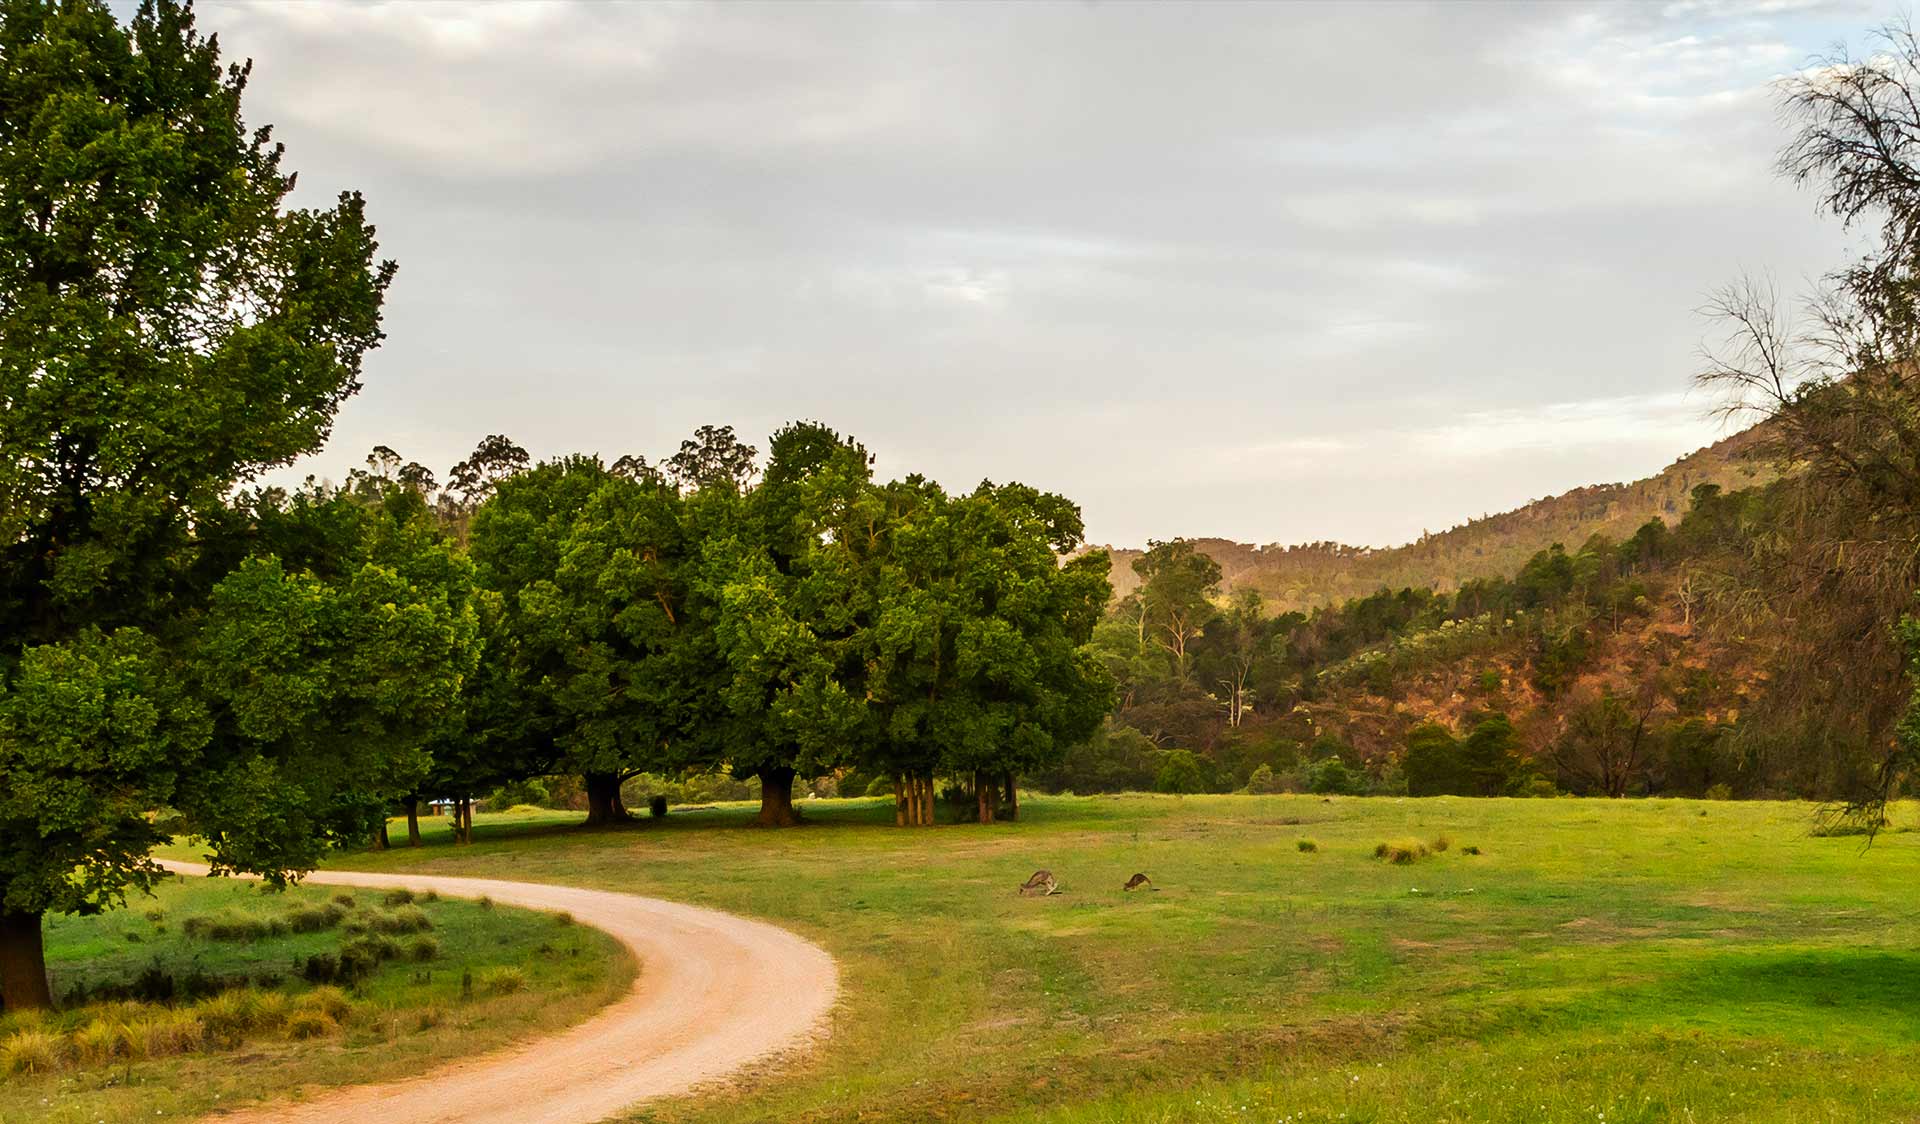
x=165 y=1033
x=1401 y=852
x=101 y=1041
x=31 y=1051
x=302 y=1025
x=329 y=1001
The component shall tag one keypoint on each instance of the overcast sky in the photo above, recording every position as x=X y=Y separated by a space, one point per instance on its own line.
x=1276 y=273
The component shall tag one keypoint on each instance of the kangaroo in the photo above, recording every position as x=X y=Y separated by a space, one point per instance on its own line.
x=1042 y=883
x=1140 y=881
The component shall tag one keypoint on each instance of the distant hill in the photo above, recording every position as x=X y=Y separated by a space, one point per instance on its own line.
x=1312 y=575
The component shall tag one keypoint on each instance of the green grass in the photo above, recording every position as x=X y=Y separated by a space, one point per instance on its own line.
x=1645 y=960
x=269 y=1031
x=1650 y=960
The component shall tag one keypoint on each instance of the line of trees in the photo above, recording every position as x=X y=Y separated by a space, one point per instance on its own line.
x=185 y=652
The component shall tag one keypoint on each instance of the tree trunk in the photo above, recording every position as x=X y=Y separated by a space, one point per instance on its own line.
x=776 y=799
x=899 y=801
x=1013 y=799
x=413 y=821
x=466 y=820
x=983 y=796
x=604 y=806
x=23 y=964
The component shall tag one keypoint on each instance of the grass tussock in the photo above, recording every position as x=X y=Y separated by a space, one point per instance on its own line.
x=1401 y=852
x=31 y=1051
x=234 y=925
x=503 y=980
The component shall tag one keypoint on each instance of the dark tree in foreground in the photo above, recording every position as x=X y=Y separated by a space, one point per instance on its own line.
x=167 y=332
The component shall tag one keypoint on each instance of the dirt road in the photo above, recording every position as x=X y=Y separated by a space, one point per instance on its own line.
x=714 y=993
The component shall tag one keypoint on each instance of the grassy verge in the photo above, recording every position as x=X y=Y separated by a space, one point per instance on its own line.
x=1558 y=959
x=214 y=992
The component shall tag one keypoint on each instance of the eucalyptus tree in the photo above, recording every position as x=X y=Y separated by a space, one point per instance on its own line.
x=978 y=643
x=168 y=330
x=791 y=609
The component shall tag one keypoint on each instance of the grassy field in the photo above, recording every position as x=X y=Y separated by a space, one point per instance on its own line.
x=1617 y=961
x=245 y=1022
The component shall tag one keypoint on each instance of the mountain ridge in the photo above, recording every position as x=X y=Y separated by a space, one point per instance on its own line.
x=1307 y=576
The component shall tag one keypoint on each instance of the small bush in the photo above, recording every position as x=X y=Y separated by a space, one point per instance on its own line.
x=503 y=980
x=31 y=1051
x=1441 y=843
x=422 y=949
x=1400 y=852
x=397 y=897
x=1307 y=846
x=310 y=1024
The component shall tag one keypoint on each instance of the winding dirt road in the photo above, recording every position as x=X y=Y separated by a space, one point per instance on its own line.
x=714 y=993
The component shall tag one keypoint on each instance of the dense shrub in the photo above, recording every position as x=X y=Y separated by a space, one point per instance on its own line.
x=1118 y=758
x=1263 y=782
x=1333 y=777
x=1181 y=771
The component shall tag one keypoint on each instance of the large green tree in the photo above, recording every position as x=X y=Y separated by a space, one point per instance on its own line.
x=168 y=330
x=792 y=603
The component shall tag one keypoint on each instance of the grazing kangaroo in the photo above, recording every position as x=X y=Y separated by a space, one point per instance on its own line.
x=1042 y=883
x=1140 y=881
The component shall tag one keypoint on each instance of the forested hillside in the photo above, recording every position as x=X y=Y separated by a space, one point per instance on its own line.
x=1613 y=667
x=1315 y=575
